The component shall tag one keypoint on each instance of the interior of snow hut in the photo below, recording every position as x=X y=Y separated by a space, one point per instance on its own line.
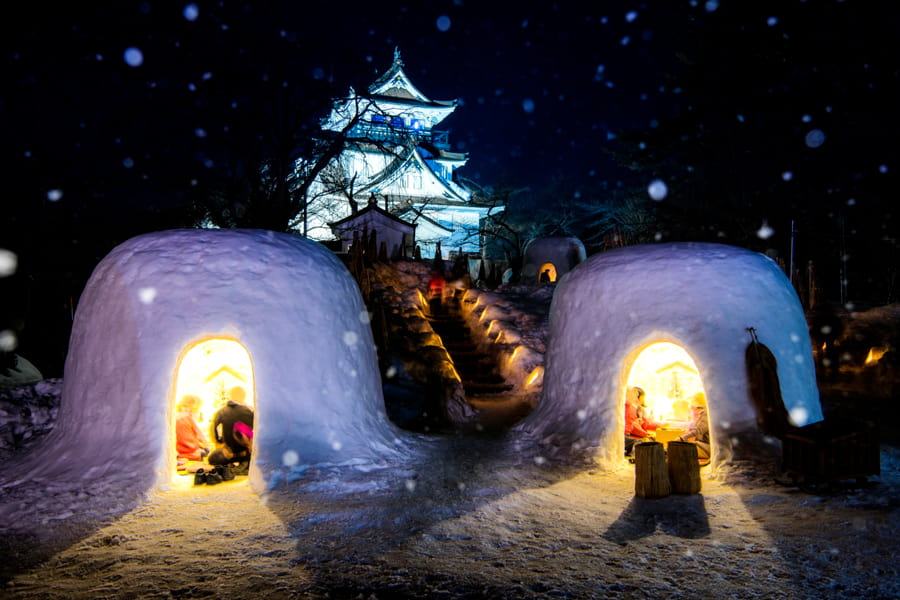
x=665 y=382
x=209 y=374
x=547 y=273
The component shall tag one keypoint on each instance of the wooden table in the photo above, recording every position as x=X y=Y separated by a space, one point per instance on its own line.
x=664 y=435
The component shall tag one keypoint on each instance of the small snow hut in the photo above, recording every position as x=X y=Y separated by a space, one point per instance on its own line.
x=196 y=311
x=690 y=305
x=548 y=259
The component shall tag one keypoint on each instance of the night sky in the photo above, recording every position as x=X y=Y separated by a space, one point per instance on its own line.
x=116 y=115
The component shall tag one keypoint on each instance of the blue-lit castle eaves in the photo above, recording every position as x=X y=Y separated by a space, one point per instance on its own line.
x=395 y=157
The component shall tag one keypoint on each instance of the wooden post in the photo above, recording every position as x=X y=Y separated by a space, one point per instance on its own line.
x=651 y=476
x=684 y=469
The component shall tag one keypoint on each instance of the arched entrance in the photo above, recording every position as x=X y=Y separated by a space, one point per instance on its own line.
x=672 y=388
x=547 y=273
x=211 y=372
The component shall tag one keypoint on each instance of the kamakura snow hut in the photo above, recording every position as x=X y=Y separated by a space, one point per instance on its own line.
x=548 y=259
x=699 y=298
x=274 y=313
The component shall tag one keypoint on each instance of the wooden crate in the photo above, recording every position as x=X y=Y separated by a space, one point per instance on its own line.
x=822 y=452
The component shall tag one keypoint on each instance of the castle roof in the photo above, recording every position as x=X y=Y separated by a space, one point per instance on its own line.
x=396 y=85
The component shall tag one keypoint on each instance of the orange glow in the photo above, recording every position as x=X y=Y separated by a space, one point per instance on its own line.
x=214 y=370
x=551 y=271
x=423 y=302
x=875 y=354
x=669 y=378
x=512 y=357
x=536 y=376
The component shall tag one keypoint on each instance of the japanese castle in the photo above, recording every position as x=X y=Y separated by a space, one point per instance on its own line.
x=395 y=159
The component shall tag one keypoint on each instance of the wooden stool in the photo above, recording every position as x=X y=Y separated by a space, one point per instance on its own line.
x=651 y=476
x=684 y=468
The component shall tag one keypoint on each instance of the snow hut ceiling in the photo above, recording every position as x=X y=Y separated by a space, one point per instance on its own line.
x=287 y=301
x=701 y=297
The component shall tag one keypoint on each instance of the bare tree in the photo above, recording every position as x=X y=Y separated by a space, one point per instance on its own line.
x=270 y=184
x=614 y=223
x=505 y=231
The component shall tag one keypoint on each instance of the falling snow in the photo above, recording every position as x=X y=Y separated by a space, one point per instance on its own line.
x=815 y=138
x=657 y=190
x=458 y=517
x=133 y=57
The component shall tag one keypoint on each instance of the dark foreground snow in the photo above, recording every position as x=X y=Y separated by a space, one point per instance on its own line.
x=460 y=517
x=467 y=517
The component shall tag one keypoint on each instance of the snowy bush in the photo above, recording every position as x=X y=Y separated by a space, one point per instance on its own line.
x=27 y=413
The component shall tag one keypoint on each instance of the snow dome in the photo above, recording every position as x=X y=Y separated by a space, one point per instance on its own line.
x=553 y=256
x=204 y=312
x=672 y=319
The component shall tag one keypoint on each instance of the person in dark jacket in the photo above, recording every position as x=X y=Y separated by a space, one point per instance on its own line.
x=232 y=430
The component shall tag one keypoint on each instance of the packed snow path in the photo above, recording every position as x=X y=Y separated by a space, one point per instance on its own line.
x=464 y=521
x=211 y=541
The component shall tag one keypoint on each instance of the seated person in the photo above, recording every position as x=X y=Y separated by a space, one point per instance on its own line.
x=232 y=429
x=634 y=421
x=698 y=430
x=190 y=443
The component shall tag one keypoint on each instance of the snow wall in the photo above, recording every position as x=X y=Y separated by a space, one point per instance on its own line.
x=289 y=301
x=564 y=253
x=702 y=297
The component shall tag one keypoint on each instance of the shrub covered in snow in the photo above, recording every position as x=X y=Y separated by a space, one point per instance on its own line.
x=27 y=413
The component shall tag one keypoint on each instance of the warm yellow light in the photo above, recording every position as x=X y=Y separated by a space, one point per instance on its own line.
x=875 y=354
x=669 y=378
x=535 y=374
x=512 y=357
x=423 y=302
x=550 y=275
x=211 y=370
x=495 y=327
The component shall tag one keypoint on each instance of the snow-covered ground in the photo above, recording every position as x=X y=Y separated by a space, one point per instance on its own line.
x=458 y=516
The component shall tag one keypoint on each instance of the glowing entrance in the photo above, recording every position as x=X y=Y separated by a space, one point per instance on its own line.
x=547 y=273
x=672 y=392
x=213 y=371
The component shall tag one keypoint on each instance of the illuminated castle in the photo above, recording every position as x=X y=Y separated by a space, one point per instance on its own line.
x=394 y=157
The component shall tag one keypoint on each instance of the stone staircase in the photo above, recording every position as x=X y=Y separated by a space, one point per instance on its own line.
x=476 y=368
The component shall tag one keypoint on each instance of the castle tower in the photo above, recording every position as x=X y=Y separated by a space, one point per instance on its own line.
x=394 y=153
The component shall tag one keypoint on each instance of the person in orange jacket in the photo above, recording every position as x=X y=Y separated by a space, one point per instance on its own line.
x=635 y=430
x=190 y=443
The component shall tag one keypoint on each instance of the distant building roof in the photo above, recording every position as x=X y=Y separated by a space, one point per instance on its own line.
x=371 y=207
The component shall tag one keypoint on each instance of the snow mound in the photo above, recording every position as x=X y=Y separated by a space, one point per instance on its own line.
x=290 y=303
x=702 y=297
